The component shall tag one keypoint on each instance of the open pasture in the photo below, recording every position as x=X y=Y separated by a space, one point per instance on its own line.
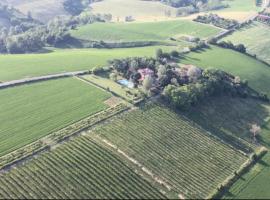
x=29 y=65
x=29 y=112
x=256 y=72
x=256 y=37
x=147 y=31
x=173 y=148
x=140 y=10
x=76 y=170
x=255 y=183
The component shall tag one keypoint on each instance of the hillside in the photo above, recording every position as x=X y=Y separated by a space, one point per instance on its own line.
x=65 y=60
x=149 y=31
x=41 y=10
x=256 y=72
x=256 y=37
x=133 y=99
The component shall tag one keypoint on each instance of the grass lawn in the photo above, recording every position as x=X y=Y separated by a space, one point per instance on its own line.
x=257 y=73
x=28 y=65
x=147 y=31
x=256 y=37
x=107 y=83
x=255 y=183
x=32 y=111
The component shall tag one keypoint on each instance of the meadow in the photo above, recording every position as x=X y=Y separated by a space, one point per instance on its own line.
x=78 y=169
x=140 y=10
x=256 y=37
x=173 y=148
x=28 y=65
x=255 y=183
x=32 y=111
x=147 y=31
x=238 y=10
x=256 y=72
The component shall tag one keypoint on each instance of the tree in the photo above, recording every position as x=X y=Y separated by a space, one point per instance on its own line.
x=175 y=54
x=29 y=15
x=255 y=130
x=147 y=83
x=161 y=71
x=113 y=76
x=159 y=53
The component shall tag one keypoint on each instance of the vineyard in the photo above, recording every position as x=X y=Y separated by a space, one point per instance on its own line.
x=182 y=154
x=76 y=170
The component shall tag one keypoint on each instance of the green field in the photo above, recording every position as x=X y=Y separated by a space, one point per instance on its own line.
x=238 y=5
x=173 y=148
x=29 y=65
x=140 y=10
x=147 y=31
x=77 y=170
x=257 y=73
x=106 y=82
x=256 y=37
x=255 y=183
x=32 y=111
x=226 y=117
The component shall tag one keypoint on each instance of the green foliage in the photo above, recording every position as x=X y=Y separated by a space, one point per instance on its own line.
x=54 y=105
x=217 y=21
x=211 y=83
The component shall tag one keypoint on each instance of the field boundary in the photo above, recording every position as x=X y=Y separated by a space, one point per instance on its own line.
x=46 y=143
x=40 y=78
x=225 y=186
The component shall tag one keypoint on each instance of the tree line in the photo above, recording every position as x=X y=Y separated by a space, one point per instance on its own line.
x=19 y=38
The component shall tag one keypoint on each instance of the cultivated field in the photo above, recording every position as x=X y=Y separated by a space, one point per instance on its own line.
x=29 y=65
x=140 y=10
x=238 y=10
x=174 y=149
x=256 y=37
x=78 y=169
x=257 y=73
x=42 y=10
x=148 y=31
x=32 y=111
x=230 y=119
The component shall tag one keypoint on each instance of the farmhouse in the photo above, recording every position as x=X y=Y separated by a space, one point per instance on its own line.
x=145 y=72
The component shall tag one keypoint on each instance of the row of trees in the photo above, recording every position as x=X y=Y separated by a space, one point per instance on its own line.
x=217 y=21
x=229 y=45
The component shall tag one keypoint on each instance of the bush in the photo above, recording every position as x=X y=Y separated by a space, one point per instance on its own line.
x=174 y=54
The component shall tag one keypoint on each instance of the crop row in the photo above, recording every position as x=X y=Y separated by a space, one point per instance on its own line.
x=173 y=147
x=77 y=169
x=44 y=143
